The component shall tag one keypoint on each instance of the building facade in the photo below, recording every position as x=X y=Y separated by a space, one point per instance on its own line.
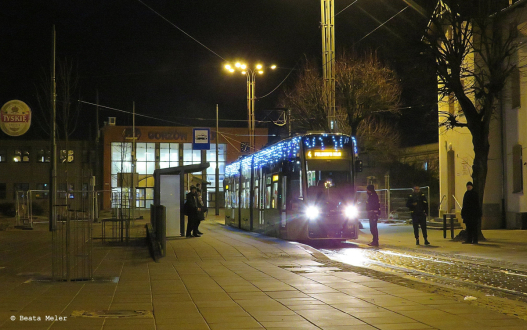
x=25 y=166
x=505 y=203
x=159 y=147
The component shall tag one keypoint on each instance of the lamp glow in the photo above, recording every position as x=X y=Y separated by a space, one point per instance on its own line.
x=351 y=211
x=258 y=66
x=237 y=64
x=312 y=212
x=260 y=72
x=243 y=66
x=273 y=67
x=228 y=66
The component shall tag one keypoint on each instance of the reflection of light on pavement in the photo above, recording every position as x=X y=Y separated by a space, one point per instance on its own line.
x=413 y=257
x=354 y=257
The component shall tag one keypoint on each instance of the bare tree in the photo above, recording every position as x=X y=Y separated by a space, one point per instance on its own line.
x=306 y=100
x=364 y=88
x=366 y=91
x=472 y=46
x=68 y=109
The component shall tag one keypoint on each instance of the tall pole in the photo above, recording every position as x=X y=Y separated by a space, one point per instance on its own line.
x=97 y=134
x=328 y=60
x=53 y=155
x=217 y=172
x=289 y=121
x=134 y=160
x=251 y=79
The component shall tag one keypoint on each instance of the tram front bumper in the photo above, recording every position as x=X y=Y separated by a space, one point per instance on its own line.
x=333 y=229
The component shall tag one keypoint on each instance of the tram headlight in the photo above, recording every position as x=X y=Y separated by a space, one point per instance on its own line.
x=351 y=211
x=312 y=212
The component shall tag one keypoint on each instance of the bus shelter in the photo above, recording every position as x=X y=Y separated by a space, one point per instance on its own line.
x=169 y=191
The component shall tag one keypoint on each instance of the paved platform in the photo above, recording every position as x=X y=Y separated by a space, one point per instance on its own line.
x=226 y=279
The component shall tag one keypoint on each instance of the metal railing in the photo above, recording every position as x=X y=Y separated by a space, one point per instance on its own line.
x=393 y=202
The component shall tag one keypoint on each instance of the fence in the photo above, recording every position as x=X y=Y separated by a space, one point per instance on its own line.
x=393 y=202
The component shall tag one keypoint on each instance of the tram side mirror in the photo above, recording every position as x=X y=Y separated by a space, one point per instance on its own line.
x=358 y=165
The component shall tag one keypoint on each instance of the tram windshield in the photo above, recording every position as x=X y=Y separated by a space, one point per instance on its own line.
x=329 y=180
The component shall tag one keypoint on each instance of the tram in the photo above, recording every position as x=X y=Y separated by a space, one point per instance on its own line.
x=301 y=189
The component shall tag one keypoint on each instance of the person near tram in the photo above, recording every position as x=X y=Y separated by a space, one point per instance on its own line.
x=471 y=213
x=373 y=206
x=418 y=205
x=192 y=209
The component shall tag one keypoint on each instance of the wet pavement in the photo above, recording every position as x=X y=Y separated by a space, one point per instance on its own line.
x=495 y=278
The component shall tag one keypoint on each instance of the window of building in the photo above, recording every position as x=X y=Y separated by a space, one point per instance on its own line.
x=515 y=88
x=3 y=155
x=62 y=190
x=20 y=189
x=3 y=191
x=517 y=169
x=145 y=167
x=190 y=156
x=42 y=191
x=66 y=154
x=21 y=155
x=43 y=155
x=168 y=155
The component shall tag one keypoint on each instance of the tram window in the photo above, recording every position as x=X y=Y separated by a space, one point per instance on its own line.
x=275 y=196
x=284 y=193
x=247 y=195
x=227 y=199
x=256 y=203
x=311 y=178
x=268 y=197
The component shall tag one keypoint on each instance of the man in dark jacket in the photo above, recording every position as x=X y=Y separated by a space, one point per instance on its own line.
x=374 y=209
x=193 y=212
x=471 y=213
x=418 y=204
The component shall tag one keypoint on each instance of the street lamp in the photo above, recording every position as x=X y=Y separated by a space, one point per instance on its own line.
x=250 y=73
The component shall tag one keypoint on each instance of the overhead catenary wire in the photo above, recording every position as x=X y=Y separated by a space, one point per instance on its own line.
x=170 y=121
x=181 y=30
x=351 y=4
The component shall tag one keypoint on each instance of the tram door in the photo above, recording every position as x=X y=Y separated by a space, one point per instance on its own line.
x=283 y=206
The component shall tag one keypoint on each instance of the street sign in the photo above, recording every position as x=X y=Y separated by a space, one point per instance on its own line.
x=201 y=139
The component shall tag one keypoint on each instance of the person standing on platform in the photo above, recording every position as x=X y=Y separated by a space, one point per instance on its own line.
x=418 y=204
x=193 y=213
x=201 y=213
x=374 y=209
x=471 y=213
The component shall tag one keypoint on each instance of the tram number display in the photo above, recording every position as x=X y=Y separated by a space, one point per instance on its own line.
x=325 y=154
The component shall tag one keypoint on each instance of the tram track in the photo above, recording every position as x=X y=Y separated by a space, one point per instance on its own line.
x=472 y=274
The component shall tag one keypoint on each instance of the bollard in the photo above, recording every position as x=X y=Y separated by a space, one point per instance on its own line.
x=452 y=217
x=444 y=225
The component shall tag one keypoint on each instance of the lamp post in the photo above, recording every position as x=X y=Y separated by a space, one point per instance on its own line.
x=250 y=73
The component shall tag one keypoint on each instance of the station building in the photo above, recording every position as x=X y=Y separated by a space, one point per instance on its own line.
x=159 y=147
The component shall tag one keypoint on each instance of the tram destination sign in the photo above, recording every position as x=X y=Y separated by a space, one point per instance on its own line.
x=325 y=154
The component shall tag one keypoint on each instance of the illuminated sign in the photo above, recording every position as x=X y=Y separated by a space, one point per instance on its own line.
x=328 y=154
x=275 y=177
x=15 y=118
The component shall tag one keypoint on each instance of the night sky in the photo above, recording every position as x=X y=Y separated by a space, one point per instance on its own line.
x=129 y=53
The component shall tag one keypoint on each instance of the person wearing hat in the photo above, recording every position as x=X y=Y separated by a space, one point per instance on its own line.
x=374 y=209
x=471 y=213
x=418 y=205
x=193 y=212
